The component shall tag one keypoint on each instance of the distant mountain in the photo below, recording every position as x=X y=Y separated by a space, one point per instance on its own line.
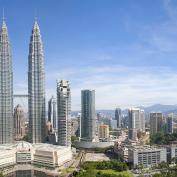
x=154 y=108
x=160 y=108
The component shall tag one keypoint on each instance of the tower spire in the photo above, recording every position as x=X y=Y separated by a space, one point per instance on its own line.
x=35 y=15
x=3 y=16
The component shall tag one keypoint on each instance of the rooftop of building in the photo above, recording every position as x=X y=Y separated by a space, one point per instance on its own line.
x=25 y=146
x=145 y=148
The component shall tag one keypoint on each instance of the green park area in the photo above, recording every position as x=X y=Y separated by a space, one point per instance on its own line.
x=111 y=168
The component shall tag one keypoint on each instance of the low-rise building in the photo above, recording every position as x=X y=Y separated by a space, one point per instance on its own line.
x=47 y=155
x=51 y=156
x=147 y=156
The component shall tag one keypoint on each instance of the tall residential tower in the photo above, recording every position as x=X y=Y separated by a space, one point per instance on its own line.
x=64 y=113
x=6 y=88
x=36 y=88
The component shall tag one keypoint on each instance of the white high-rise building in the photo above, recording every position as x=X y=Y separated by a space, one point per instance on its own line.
x=52 y=113
x=136 y=122
x=64 y=113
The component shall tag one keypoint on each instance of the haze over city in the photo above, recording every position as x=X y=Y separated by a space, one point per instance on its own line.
x=125 y=50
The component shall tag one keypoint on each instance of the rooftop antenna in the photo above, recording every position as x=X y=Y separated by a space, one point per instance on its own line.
x=3 y=16
x=35 y=15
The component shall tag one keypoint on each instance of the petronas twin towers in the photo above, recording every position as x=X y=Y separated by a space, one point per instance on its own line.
x=36 y=88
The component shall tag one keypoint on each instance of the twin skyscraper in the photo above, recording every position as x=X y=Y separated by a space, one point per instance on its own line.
x=36 y=87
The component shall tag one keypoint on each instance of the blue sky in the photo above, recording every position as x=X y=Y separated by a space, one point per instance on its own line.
x=124 y=49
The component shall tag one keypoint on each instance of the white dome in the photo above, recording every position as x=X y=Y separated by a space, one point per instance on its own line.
x=24 y=146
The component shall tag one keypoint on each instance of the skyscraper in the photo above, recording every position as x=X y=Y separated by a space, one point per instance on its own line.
x=88 y=120
x=52 y=113
x=64 y=113
x=136 y=122
x=19 y=122
x=36 y=88
x=118 y=117
x=156 y=122
x=6 y=87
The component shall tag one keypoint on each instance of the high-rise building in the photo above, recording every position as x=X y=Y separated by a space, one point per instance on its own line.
x=136 y=122
x=169 y=121
x=156 y=122
x=103 y=131
x=52 y=113
x=170 y=124
x=19 y=122
x=6 y=88
x=113 y=124
x=88 y=116
x=118 y=117
x=64 y=113
x=36 y=88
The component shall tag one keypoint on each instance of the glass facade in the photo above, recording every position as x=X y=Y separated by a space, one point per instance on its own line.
x=6 y=88
x=88 y=119
x=36 y=88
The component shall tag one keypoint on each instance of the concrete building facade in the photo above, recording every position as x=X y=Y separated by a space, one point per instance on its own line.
x=136 y=122
x=103 y=131
x=52 y=113
x=156 y=122
x=147 y=156
x=19 y=122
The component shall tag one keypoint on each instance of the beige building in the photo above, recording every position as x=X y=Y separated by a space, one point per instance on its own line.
x=156 y=122
x=19 y=123
x=46 y=155
x=52 y=156
x=103 y=131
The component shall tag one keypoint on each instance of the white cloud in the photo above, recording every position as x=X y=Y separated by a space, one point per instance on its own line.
x=123 y=86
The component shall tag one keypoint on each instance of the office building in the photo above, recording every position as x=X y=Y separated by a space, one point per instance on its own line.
x=156 y=122
x=103 y=131
x=113 y=124
x=147 y=156
x=52 y=113
x=169 y=122
x=19 y=122
x=6 y=87
x=64 y=113
x=118 y=117
x=36 y=88
x=88 y=116
x=136 y=122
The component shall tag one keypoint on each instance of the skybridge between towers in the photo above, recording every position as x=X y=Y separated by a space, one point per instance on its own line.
x=20 y=96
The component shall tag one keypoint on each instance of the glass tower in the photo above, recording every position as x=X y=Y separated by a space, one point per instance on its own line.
x=36 y=88
x=88 y=120
x=6 y=88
